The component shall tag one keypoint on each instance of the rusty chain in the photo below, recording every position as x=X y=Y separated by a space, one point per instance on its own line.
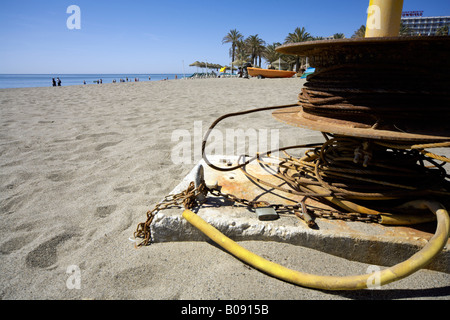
x=188 y=198
x=300 y=210
x=315 y=170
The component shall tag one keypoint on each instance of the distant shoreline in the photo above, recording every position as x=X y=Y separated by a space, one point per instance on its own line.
x=10 y=81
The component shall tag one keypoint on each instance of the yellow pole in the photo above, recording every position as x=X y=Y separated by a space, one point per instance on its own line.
x=383 y=18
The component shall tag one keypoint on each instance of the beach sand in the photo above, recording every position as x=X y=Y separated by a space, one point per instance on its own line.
x=80 y=167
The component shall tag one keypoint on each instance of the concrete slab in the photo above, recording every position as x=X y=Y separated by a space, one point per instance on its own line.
x=357 y=241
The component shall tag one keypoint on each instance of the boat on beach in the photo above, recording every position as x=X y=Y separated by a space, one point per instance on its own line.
x=269 y=73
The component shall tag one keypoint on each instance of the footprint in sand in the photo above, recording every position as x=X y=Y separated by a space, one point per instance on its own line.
x=105 y=145
x=103 y=212
x=128 y=189
x=46 y=255
x=95 y=135
x=16 y=243
x=129 y=277
x=58 y=177
x=12 y=204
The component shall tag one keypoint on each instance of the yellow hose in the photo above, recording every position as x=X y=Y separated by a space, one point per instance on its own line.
x=394 y=273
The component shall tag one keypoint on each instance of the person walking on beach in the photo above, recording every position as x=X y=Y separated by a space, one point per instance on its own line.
x=54 y=82
x=59 y=82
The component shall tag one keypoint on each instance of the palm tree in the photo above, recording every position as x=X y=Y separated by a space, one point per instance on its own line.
x=338 y=36
x=405 y=30
x=232 y=37
x=261 y=49
x=290 y=60
x=255 y=47
x=270 y=54
x=241 y=51
x=299 y=35
x=442 y=31
x=360 y=33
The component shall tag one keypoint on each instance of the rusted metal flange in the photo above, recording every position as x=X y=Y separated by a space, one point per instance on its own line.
x=295 y=117
x=392 y=50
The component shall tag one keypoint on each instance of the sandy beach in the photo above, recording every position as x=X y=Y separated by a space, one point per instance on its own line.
x=81 y=165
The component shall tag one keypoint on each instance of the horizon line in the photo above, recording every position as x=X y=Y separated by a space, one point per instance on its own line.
x=87 y=73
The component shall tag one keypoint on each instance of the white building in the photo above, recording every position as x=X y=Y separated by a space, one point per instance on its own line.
x=425 y=26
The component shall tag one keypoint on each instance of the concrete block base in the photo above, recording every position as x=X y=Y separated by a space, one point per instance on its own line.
x=357 y=241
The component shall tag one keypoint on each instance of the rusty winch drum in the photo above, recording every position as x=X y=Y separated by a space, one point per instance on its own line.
x=394 y=88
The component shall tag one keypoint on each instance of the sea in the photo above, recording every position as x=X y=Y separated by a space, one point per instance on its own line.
x=45 y=80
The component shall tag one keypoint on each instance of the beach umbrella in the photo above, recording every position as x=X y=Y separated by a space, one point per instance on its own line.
x=216 y=66
x=279 y=63
x=195 y=64
x=239 y=63
x=208 y=65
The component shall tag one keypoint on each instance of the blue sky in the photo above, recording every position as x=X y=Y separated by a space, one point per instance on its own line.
x=146 y=36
